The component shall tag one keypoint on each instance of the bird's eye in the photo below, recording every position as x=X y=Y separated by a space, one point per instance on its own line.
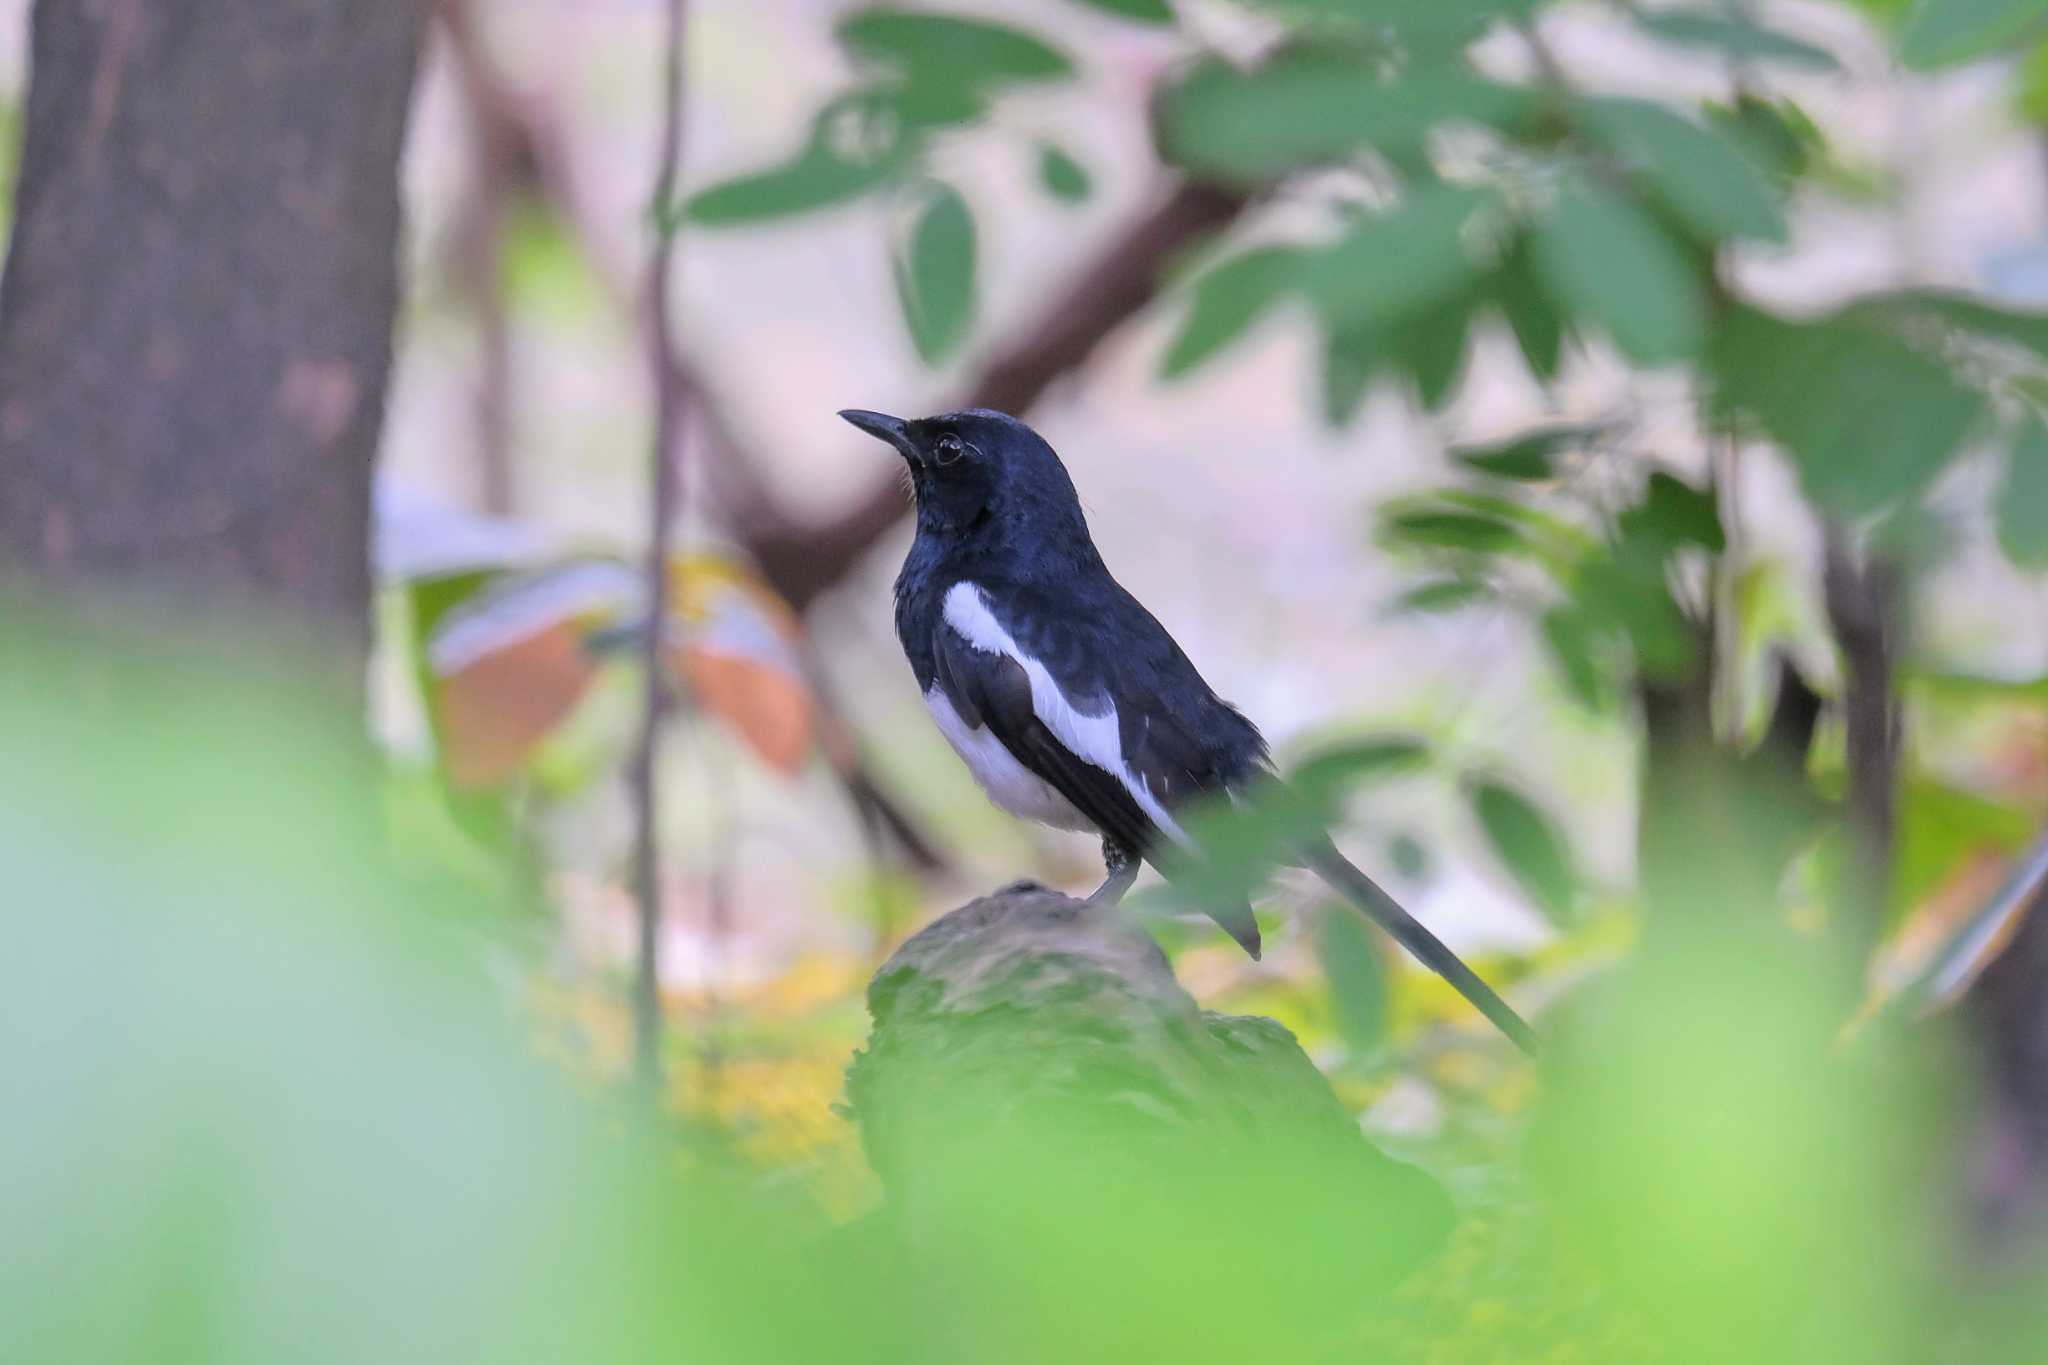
x=949 y=450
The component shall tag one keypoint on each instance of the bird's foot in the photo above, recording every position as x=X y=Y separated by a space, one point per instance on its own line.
x=1123 y=870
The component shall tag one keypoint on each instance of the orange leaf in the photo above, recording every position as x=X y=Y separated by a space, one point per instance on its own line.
x=497 y=709
x=769 y=708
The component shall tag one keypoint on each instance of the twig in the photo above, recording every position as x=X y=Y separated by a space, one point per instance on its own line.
x=1860 y=604
x=665 y=504
x=476 y=262
x=876 y=810
x=718 y=779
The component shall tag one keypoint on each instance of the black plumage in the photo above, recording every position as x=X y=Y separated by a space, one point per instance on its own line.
x=1067 y=698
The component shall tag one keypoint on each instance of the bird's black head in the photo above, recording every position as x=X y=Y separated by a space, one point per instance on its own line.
x=985 y=476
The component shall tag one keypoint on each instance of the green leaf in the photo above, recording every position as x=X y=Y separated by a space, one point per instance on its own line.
x=1940 y=827
x=1538 y=328
x=1601 y=256
x=1709 y=179
x=928 y=103
x=1624 y=587
x=1905 y=310
x=1063 y=177
x=1524 y=839
x=1867 y=419
x=1414 y=522
x=1232 y=849
x=1235 y=844
x=1312 y=108
x=1741 y=38
x=2030 y=98
x=935 y=276
x=948 y=49
x=1555 y=539
x=1446 y=530
x=858 y=142
x=1775 y=133
x=1327 y=775
x=1357 y=975
x=1226 y=300
x=1943 y=32
x=1392 y=265
x=2023 y=501
x=1350 y=356
x=1673 y=513
x=1627 y=592
x=1431 y=343
x=815 y=180
x=1443 y=595
x=1141 y=11
x=1573 y=644
x=1428 y=29
x=1528 y=458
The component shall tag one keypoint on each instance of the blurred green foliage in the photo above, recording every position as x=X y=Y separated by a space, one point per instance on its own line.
x=269 y=1103
x=272 y=1101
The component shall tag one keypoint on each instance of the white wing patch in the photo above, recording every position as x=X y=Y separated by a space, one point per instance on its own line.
x=1091 y=738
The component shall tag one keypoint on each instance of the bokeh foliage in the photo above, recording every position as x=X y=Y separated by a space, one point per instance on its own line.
x=271 y=1102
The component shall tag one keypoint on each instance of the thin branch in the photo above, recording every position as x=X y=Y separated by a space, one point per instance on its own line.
x=502 y=169
x=877 y=812
x=665 y=503
x=1861 y=600
x=711 y=1052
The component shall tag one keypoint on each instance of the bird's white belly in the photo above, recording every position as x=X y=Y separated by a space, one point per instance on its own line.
x=1009 y=784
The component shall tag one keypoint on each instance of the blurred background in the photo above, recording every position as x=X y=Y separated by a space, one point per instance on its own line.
x=1599 y=443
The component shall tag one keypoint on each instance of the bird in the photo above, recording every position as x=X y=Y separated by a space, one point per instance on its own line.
x=1069 y=702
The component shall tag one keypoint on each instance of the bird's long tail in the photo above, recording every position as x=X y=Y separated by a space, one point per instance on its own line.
x=1363 y=892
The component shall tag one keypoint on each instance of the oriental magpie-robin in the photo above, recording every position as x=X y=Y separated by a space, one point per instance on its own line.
x=1067 y=699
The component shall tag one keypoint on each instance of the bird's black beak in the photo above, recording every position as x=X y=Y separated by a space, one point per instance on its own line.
x=883 y=427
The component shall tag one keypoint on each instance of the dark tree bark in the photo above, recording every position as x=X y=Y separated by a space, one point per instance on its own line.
x=196 y=315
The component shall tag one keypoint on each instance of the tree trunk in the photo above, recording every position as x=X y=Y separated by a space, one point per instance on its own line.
x=196 y=314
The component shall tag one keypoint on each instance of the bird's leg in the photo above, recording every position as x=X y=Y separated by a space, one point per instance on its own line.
x=1122 y=865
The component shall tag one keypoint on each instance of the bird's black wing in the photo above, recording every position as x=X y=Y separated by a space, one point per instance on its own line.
x=993 y=691
x=1107 y=712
